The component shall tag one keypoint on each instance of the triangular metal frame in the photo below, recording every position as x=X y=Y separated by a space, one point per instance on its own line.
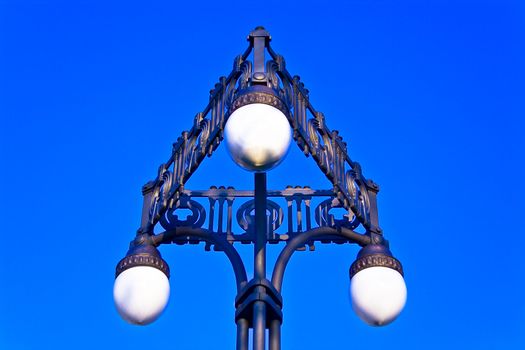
x=310 y=133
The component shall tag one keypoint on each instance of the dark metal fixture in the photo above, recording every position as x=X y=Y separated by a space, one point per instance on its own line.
x=258 y=108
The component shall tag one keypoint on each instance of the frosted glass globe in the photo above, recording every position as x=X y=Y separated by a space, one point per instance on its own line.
x=141 y=294
x=257 y=136
x=378 y=295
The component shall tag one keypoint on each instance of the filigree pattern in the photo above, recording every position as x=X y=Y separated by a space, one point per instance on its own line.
x=323 y=217
x=271 y=72
x=171 y=219
x=246 y=216
x=310 y=132
x=375 y=260
x=327 y=149
x=142 y=260
x=246 y=68
x=160 y=198
x=259 y=97
x=230 y=213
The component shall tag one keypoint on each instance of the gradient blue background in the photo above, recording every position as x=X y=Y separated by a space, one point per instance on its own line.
x=429 y=96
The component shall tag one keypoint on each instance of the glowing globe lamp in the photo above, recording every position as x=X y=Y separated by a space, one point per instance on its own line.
x=141 y=290
x=377 y=287
x=257 y=132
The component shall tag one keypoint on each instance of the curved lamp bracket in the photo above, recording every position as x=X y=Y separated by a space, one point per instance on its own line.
x=198 y=234
x=321 y=233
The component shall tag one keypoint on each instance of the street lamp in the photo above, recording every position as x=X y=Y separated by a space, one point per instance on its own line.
x=258 y=109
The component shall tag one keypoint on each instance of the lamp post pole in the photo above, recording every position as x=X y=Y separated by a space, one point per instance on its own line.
x=256 y=109
x=259 y=307
x=259 y=40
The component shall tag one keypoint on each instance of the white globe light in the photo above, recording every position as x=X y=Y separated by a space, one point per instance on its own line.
x=378 y=294
x=257 y=136
x=141 y=294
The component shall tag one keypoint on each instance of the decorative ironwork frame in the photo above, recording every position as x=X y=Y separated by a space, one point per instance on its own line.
x=259 y=300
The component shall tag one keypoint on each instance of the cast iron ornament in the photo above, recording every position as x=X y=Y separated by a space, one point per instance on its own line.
x=267 y=82
x=375 y=255
x=259 y=94
x=142 y=255
x=142 y=260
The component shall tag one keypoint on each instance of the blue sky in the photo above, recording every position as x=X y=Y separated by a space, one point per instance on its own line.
x=428 y=95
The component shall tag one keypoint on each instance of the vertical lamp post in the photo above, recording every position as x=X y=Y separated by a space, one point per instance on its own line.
x=259 y=108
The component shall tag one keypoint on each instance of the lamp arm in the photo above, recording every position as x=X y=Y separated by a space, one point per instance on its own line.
x=300 y=240
x=239 y=270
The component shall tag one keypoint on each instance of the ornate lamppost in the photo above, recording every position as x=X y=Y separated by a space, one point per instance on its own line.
x=259 y=108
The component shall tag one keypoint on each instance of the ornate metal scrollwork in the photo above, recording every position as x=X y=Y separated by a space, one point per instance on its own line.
x=376 y=260
x=310 y=132
x=289 y=213
x=246 y=219
x=276 y=79
x=271 y=72
x=264 y=96
x=160 y=197
x=358 y=193
x=324 y=145
x=246 y=69
x=170 y=220
x=323 y=217
x=321 y=144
